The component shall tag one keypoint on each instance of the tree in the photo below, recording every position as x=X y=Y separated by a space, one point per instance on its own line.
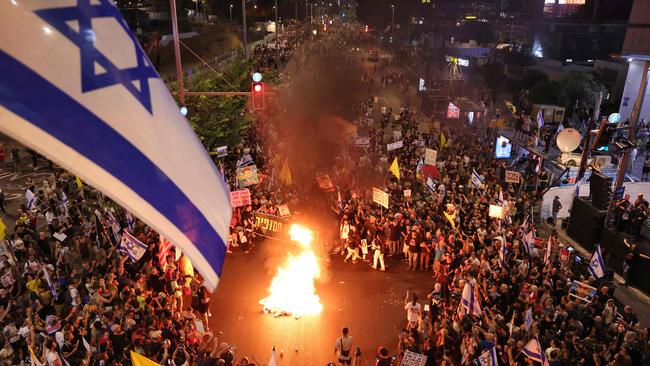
x=545 y=92
x=580 y=87
x=220 y=121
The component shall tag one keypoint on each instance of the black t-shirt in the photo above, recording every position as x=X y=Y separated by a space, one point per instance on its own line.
x=414 y=244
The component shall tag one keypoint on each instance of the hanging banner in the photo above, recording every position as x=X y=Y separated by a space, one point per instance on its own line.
x=395 y=145
x=430 y=157
x=240 y=198
x=380 y=197
x=512 y=177
x=273 y=226
x=247 y=176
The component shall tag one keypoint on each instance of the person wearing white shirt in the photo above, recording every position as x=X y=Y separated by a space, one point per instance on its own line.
x=343 y=348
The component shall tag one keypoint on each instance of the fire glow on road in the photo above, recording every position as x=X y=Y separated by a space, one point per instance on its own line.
x=292 y=290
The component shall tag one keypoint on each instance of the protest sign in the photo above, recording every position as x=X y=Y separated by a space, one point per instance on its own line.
x=582 y=291
x=413 y=359
x=324 y=182
x=240 y=198
x=512 y=177
x=419 y=143
x=247 y=176
x=430 y=157
x=283 y=210
x=564 y=256
x=496 y=211
x=380 y=197
x=395 y=145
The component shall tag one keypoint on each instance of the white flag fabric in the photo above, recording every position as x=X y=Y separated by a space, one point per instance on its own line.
x=274 y=358
x=487 y=358
x=30 y=198
x=99 y=109
x=540 y=119
x=596 y=264
x=469 y=302
x=529 y=241
x=133 y=247
x=535 y=352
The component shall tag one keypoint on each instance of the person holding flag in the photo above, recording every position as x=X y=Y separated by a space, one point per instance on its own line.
x=469 y=304
x=487 y=358
x=535 y=352
x=394 y=168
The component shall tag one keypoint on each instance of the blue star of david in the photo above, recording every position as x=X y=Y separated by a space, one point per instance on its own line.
x=84 y=38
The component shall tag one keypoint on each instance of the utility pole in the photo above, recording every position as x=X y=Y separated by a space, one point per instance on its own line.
x=634 y=120
x=295 y=10
x=245 y=33
x=231 y=13
x=277 y=24
x=587 y=148
x=177 y=52
x=306 y=10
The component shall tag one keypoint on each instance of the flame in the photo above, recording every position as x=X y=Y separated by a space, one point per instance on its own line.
x=292 y=290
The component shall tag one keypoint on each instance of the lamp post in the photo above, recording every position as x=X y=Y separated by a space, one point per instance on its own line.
x=277 y=26
x=392 y=9
x=245 y=33
x=231 y=5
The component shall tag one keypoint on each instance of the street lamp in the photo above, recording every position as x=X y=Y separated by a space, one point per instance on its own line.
x=392 y=9
x=231 y=5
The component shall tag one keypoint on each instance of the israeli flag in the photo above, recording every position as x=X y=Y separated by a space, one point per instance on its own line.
x=487 y=358
x=430 y=185
x=503 y=251
x=30 y=198
x=477 y=182
x=596 y=264
x=549 y=251
x=130 y=221
x=133 y=247
x=469 y=302
x=528 y=319
x=529 y=241
x=534 y=351
x=64 y=201
x=77 y=88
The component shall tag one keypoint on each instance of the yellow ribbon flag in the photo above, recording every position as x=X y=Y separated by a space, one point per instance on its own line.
x=3 y=228
x=79 y=184
x=443 y=140
x=394 y=168
x=33 y=359
x=285 y=174
x=139 y=360
x=451 y=218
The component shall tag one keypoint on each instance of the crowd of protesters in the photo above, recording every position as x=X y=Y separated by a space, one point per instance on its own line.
x=438 y=220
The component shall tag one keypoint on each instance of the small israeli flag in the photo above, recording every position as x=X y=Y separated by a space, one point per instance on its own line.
x=596 y=264
x=133 y=247
x=528 y=319
x=477 y=182
x=487 y=358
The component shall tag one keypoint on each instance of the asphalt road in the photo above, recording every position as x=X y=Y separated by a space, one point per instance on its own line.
x=370 y=303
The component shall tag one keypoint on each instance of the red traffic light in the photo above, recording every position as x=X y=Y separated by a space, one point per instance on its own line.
x=258 y=95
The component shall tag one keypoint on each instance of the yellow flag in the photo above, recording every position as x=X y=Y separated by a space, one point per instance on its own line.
x=443 y=140
x=285 y=174
x=451 y=218
x=394 y=168
x=79 y=185
x=3 y=228
x=32 y=357
x=139 y=360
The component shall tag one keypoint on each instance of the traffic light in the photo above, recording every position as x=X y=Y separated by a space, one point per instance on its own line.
x=257 y=91
x=604 y=136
